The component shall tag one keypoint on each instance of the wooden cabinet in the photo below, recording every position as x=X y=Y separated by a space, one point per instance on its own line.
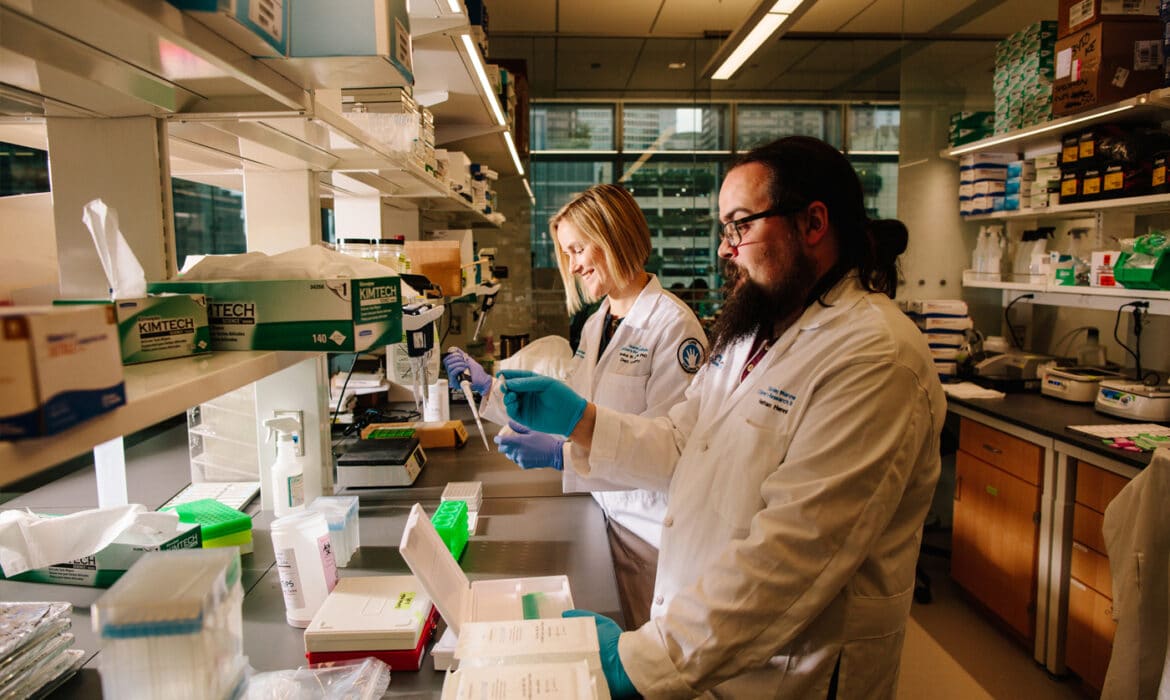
x=996 y=523
x=1090 y=627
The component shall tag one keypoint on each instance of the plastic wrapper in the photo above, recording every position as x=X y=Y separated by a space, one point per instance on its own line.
x=367 y=679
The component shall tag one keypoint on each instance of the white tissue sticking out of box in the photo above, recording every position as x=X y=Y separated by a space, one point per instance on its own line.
x=123 y=271
x=29 y=541
x=310 y=262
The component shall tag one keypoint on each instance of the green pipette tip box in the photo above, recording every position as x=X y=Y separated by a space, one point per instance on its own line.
x=450 y=521
x=221 y=525
x=388 y=433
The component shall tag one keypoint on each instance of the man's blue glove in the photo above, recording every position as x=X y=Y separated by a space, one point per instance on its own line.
x=531 y=450
x=608 y=632
x=458 y=362
x=541 y=403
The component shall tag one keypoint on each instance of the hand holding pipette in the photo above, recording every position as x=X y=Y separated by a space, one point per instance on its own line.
x=460 y=368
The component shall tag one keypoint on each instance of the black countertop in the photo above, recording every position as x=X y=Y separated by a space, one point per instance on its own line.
x=1051 y=417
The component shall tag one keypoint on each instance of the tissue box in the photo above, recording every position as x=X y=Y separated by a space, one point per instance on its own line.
x=59 y=366
x=104 y=568
x=159 y=327
x=336 y=315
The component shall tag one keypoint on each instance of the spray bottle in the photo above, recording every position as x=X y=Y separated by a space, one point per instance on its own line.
x=288 y=472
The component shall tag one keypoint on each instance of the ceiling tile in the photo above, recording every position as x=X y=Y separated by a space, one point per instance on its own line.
x=694 y=17
x=607 y=17
x=538 y=16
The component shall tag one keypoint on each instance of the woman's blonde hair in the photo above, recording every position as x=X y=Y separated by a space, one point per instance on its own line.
x=608 y=217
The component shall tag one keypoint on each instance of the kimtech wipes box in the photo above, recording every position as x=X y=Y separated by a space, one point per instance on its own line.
x=59 y=366
x=158 y=327
x=335 y=315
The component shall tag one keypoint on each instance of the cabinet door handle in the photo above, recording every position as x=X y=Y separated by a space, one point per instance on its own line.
x=992 y=449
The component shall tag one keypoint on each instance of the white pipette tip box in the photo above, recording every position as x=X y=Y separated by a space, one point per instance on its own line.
x=471 y=493
x=460 y=600
x=388 y=617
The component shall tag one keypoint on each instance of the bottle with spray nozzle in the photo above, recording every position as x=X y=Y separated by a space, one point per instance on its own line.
x=288 y=472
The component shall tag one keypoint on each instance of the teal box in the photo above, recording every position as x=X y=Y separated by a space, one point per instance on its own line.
x=323 y=28
x=336 y=315
x=259 y=27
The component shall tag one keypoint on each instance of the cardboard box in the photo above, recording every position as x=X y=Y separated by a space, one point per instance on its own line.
x=104 y=568
x=59 y=366
x=337 y=315
x=439 y=261
x=449 y=433
x=1075 y=15
x=159 y=327
x=1105 y=63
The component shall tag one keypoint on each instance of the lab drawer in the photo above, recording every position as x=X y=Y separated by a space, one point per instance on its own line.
x=1091 y=568
x=1089 y=637
x=1087 y=528
x=1096 y=487
x=1011 y=454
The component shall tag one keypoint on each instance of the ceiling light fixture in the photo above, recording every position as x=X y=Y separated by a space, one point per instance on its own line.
x=528 y=187
x=489 y=94
x=676 y=65
x=456 y=6
x=512 y=150
x=760 y=26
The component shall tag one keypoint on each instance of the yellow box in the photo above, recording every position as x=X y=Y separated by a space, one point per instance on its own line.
x=439 y=261
x=435 y=434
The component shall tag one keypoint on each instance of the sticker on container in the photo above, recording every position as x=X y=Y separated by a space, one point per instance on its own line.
x=290 y=578
x=325 y=547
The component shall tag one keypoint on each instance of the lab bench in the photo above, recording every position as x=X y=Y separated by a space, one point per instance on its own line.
x=526 y=527
x=1022 y=521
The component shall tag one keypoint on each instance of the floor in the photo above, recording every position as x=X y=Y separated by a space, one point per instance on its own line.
x=955 y=652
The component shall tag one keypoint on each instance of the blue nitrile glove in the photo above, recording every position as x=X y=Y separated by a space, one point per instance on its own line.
x=457 y=362
x=541 y=403
x=608 y=632
x=531 y=450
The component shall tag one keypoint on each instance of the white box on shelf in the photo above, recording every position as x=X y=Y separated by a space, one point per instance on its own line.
x=1101 y=268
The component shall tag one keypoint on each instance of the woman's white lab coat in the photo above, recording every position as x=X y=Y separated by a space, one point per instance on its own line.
x=796 y=503
x=1137 y=539
x=645 y=369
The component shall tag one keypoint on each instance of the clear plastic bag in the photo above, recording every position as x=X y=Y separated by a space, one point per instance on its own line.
x=365 y=679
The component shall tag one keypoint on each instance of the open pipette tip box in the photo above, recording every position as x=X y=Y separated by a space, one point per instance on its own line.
x=460 y=600
x=388 y=617
x=471 y=493
x=221 y=525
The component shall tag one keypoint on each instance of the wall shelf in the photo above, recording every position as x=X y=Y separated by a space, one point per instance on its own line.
x=155 y=391
x=1146 y=204
x=1047 y=293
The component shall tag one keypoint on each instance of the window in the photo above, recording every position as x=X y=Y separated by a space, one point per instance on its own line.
x=874 y=128
x=556 y=127
x=683 y=127
x=757 y=124
x=207 y=220
x=23 y=170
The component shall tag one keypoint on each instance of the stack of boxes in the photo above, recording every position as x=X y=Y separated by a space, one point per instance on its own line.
x=394 y=120
x=1105 y=52
x=1017 y=190
x=944 y=322
x=1112 y=160
x=968 y=127
x=983 y=182
x=1024 y=73
x=423 y=149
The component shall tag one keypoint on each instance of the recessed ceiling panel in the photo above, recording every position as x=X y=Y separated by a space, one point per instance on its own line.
x=537 y=16
x=1010 y=17
x=694 y=17
x=596 y=64
x=607 y=17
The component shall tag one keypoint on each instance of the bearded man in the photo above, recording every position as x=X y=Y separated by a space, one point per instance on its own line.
x=801 y=464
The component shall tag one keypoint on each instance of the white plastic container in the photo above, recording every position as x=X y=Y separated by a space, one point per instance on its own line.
x=288 y=472
x=304 y=560
x=438 y=405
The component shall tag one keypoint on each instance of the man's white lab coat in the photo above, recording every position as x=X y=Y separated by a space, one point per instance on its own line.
x=796 y=503
x=1137 y=539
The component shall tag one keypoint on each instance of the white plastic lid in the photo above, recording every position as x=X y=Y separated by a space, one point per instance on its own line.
x=370 y=613
x=434 y=566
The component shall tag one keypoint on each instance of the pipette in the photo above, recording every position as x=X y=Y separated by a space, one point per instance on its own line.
x=418 y=325
x=464 y=380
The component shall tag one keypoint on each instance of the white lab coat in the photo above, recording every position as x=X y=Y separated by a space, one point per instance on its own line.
x=796 y=503
x=1137 y=539
x=646 y=368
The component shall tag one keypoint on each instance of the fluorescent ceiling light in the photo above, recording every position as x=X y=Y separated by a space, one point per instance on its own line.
x=512 y=150
x=484 y=83
x=457 y=6
x=761 y=24
x=1025 y=133
x=529 y=188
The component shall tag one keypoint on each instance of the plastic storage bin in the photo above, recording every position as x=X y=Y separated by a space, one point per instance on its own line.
x=172 y=627
x=341 y=513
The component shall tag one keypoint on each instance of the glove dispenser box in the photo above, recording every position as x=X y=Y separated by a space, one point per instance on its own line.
x=460 y=600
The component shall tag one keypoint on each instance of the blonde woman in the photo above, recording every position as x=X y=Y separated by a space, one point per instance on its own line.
x=638 y=353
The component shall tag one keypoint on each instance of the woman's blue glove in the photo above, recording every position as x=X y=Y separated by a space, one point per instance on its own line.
x=531 y=450
x=541 y=403
x=458 y=362
x=620 y=685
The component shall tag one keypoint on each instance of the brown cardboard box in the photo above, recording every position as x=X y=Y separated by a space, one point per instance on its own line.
x=439 y=261
x=430 y=435
x=1075 y=15
x=1104 y=63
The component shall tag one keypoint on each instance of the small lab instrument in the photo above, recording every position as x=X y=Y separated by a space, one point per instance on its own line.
x=388 y=617
x=464 y=380
x=1075 y=384
x=1134 y=400
x=488 y=291
x=460 y=600
x=380 y=462
x=1010 y=372
x=304 y=560
x=288 y=471
x=418 y=325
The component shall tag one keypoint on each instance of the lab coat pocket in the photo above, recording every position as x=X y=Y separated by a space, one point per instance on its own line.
x=622 y=392
x=753 y=449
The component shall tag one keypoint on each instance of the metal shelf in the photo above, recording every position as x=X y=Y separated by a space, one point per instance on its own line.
x=154 y=391
x=1047 y=293
x=1146 y=204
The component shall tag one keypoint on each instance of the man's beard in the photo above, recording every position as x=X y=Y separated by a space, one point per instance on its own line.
x=749 y=307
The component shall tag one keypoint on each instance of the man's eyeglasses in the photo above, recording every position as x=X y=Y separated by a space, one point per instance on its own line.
x=733 y=231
